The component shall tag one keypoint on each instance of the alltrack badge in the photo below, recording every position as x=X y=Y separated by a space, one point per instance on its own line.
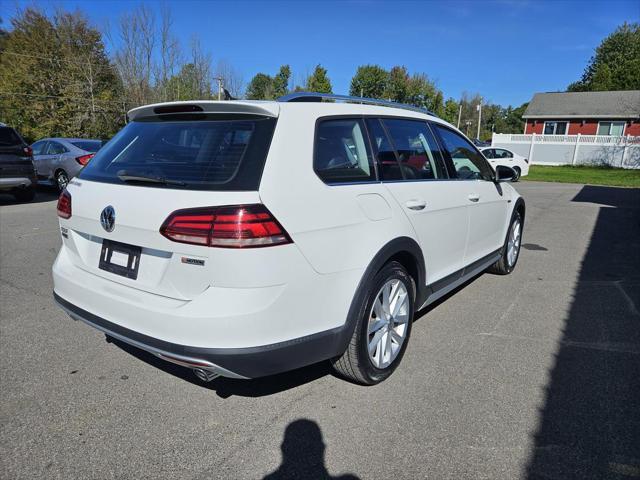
x=193 y=261
x=108 y=218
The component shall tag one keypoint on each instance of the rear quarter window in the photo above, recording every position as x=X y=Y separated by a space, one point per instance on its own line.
x=38 y=147
x=342 y=153
x=88 y=145
x=207 y=154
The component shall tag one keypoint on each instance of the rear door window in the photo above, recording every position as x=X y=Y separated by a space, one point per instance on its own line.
x=341 y=153
x=210 y=154
x=500 y=153
x=386 y=157
x=56 y=148
x=416 y=148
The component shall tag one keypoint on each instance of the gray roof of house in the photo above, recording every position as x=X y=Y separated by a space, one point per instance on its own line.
x=618 y=104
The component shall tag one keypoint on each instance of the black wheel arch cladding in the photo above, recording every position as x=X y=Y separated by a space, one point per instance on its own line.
x=520 y=207
x=402 y=249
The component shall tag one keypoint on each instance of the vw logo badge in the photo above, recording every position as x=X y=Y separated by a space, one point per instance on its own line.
x=108 y=218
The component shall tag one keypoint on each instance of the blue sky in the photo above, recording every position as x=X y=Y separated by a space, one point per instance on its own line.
x=504 y=49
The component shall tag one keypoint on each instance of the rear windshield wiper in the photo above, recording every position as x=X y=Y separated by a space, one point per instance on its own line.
x=138 y=177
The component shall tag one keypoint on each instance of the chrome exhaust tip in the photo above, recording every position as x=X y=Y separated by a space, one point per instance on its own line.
x=205 y=375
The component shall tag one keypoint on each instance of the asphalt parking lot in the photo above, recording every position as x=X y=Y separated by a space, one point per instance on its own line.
x=533 y=375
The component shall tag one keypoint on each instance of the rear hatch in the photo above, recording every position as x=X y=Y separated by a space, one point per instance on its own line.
x=15 y=157
x=157 y=165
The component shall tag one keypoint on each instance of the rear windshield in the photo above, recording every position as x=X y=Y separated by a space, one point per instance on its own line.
x=210 y=154
x=8 y=137
x=88 y=145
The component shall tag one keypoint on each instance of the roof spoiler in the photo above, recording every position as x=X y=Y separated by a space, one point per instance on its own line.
x=267 y=109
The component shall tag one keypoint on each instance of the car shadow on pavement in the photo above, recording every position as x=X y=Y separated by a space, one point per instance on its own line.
x=43 y=194
x=260 y=387
x=589 y=425
x=229 y=387
x=303 y=454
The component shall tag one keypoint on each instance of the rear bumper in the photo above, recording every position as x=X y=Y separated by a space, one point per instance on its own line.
x=10 y=183
x=220 y=316
x=248 y=362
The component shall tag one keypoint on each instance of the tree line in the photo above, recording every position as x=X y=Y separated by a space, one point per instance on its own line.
x=265 y=87
x=397 y=85
x=58 y=78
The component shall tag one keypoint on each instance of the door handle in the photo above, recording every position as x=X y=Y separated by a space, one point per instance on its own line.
x=416 y=204
x=474 y=197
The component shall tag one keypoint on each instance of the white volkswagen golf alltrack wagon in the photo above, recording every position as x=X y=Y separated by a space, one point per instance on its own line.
x=246 y=238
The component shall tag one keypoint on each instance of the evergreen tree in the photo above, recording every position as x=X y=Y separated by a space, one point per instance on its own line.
x=281 y=81
x=319 y=81
x=450 y=113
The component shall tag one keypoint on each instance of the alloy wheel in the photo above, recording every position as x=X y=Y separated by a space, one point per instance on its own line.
x=513 y=244
x=388 y=323
x=62 y=180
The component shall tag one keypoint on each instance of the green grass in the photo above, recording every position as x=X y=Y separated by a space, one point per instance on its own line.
x=617 y=177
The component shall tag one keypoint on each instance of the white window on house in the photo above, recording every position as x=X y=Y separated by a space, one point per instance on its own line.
x=555 y=128
x=615 y=129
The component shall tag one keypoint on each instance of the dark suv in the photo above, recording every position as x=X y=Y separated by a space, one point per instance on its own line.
x=17 y=173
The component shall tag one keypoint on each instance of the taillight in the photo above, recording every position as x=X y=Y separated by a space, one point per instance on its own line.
x=28 y=151
x=84 y=159
x=64 y=204
x=237 y=226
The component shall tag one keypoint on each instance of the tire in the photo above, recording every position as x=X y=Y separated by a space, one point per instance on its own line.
x=508 y=262
x=356 y=363
x=518 y=174
x=25 y=194
x=62 y=180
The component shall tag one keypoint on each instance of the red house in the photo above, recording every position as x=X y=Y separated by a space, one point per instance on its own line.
x=588 y=113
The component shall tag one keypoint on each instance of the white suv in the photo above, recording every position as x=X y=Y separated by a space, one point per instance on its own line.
x=246 y=238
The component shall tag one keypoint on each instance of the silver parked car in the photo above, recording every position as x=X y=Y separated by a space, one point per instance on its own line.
x=58 y=160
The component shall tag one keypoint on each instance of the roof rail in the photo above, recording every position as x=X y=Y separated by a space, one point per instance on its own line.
x=319 y=97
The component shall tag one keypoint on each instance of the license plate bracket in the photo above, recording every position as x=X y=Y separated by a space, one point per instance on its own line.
x=120 y=258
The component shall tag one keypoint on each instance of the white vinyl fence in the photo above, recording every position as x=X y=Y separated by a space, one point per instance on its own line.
x=573 y=149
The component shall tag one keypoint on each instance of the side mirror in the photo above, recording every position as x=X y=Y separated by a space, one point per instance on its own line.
x=505 y=174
